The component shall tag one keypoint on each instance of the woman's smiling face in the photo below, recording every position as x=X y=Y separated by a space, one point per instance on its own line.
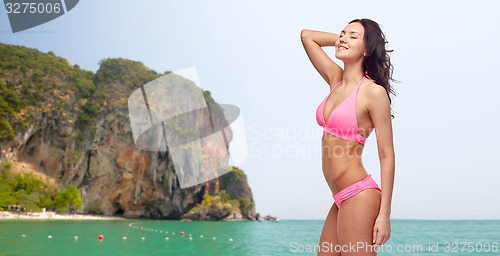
x=350 y=46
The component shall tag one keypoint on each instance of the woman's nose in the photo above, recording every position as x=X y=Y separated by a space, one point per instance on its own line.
x=341 y=39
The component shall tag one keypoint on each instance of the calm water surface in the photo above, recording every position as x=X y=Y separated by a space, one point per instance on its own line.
x=287 y=237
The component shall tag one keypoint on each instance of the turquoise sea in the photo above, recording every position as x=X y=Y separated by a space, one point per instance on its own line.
x=287 y=237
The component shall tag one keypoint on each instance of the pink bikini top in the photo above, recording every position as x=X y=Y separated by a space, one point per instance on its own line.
x=342 y=121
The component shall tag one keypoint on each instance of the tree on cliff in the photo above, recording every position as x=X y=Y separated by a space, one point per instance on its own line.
x=68 y=199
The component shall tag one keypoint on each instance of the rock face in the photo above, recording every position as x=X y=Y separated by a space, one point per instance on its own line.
x=84 y=138
x=227 y=204
x=215 y=214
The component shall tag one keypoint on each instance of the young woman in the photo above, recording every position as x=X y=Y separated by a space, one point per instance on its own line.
x=358 y=103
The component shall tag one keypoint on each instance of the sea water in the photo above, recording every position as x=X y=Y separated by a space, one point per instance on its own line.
x=286 y=237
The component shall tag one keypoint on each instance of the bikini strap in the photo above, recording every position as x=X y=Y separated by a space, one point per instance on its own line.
x=360 y=81
x=366 y=74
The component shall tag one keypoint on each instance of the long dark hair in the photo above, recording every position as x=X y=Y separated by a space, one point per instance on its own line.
x=377 y=63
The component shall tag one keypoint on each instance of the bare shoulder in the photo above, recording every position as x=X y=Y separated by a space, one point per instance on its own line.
x=376 y=93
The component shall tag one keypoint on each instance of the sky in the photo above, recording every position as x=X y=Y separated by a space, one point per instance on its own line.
x=249 y=54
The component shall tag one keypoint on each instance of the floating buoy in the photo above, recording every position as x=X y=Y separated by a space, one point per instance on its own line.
x=230 y=240
x=23 y=235
x=76 y=237
x=201 y=236
x=190 y=238
x=100 y=237
x=166 y=238
x=213 y=238
x=161 y=231
x=124 y=238
x=182 y=233
x=140 y=227
x=49 y=236
x=142 y=238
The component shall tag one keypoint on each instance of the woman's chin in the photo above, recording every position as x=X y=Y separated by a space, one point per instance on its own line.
x=346 y=58
x=340 y=56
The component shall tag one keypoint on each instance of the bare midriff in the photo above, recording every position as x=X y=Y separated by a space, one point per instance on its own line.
x=342 y=164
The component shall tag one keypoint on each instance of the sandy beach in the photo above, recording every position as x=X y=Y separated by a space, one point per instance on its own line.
x=53 y=216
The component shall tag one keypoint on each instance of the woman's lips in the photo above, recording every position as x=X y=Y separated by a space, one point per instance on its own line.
x=341 y=48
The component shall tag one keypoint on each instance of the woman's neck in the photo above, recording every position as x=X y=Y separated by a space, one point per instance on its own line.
x=352 y=73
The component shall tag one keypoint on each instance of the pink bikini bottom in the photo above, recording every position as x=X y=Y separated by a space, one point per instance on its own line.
x=354 y=189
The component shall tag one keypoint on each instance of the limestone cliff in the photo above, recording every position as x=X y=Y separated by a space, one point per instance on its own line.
x=73 y=126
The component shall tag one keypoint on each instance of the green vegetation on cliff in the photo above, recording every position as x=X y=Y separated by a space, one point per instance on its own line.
x=236 y=184
x=35 y=84
x=214 y=207
x=235 y=197
x=33 y=193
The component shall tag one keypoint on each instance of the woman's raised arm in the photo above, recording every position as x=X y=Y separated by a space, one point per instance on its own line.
x=313 y=40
